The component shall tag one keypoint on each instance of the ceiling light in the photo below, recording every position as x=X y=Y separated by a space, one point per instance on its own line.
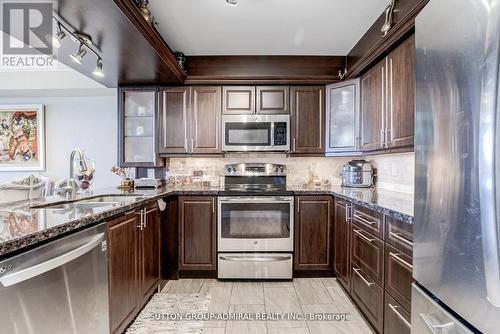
x=77 y=57
x=98 y=70
x=232 y=2
x=56 y=40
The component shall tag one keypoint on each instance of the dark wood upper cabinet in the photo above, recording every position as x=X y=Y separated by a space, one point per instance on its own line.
x=238 y=100
x=149 y=252
x=313 y=233
x=197 y=233
x=205 y=120
x=388 y=101
x=122 y=270
x=401 y=104
x=341 y=254
x=137 y=127
x=373 y=107
x=272 y=99
x=308 y=119
x=173 y=120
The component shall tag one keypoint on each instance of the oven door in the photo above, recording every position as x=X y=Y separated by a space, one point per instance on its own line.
x=255 y=133
x=263 y=223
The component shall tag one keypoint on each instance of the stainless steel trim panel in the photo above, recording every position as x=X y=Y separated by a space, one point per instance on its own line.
x=254 y=265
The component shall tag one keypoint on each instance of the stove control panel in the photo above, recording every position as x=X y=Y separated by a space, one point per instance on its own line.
x=255 y=169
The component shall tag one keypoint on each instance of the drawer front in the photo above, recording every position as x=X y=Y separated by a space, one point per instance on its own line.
x=369 y=220
x=369 y=297
x=368 y=254
x=397 y=320
x=399 y=234
x=398 y=275
x=254 y=265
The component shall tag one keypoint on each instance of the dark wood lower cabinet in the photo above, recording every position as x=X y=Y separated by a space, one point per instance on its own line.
x=369 y=297
x=149 y=253
x=313 y=233
x=133 y=264
x=122 y=270
x=197 y=233
x=398 y=277
x=341 y=253
x=397 y=319
x=378 y=249
x=368 y=253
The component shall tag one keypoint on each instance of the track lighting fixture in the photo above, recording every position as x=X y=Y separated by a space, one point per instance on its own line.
x=84 y=41
x=232 y=2
x=56 y=39
x=77 y=57
x=98 y=69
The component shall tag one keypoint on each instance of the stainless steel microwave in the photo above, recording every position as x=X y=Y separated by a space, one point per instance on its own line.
x=242 y=133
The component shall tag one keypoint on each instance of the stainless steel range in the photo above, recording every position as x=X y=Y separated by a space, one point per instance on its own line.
x=255 y=223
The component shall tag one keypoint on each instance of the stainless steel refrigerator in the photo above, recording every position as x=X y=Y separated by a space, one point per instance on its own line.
x=457 y=185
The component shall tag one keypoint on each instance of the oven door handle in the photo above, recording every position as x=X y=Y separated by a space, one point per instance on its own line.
x=274 y=199
x=242 y=258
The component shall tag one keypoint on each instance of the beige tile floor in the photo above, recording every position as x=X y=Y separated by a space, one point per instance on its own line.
x=302 y=295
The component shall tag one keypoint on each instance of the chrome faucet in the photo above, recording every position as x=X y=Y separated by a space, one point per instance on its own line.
x=71 y=186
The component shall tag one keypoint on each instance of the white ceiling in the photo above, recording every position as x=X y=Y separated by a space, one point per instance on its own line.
x=265 y=27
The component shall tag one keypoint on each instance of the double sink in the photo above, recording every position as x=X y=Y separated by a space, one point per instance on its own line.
x=90 y=202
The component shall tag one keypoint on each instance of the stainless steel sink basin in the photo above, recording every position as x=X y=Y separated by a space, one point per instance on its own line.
x=88 y=203
x=76 y=205
x=111 y=199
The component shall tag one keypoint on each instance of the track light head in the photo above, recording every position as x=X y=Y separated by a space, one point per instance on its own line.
x=98 y=69
x=56 y=39
x=77 y=57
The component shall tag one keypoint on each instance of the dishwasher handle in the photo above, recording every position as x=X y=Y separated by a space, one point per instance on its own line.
x=43 y=267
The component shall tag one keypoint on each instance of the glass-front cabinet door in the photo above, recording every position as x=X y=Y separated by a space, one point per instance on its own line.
x=343 y=118
x=138 y=111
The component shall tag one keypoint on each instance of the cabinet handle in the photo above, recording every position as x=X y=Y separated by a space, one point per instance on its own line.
x=382 y=131
x=140 y=226
x=358 y=232
x=129 y=212
x=400 y=238
x=213 y=205
x=363 y=220
x=347 y=213
x=394 y=309
x=144 y=220
x=185 y=144
x=434 y=327
x=388 y=140
x=293 y=144
x=400 y=260
x=356 y=271
x=192 y=145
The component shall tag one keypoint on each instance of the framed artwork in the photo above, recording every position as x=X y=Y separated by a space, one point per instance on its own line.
x=22 y=145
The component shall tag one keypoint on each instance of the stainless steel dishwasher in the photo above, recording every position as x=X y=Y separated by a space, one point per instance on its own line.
x=60 y=287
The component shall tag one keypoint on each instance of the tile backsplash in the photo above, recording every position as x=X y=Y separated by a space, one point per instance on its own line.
x=395 y=171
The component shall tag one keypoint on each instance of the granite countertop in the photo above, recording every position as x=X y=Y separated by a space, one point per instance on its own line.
x=395 y=204
x=22 y=226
